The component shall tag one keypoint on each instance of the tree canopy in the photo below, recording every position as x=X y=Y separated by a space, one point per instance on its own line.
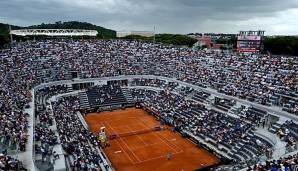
x=282 y=45
x=103 y=33
x=173 y=39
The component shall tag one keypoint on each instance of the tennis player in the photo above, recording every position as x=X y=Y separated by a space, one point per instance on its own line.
x=169 y=156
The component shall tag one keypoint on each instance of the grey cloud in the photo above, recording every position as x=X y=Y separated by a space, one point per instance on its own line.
x=173 y=16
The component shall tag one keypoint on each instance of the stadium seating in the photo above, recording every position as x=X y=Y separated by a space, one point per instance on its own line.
x=105 y=95
x=265 y=79
x=148 y=82
x=201 y=96
x=235 y=136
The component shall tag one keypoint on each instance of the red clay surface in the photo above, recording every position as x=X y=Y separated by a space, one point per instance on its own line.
x=147 y=151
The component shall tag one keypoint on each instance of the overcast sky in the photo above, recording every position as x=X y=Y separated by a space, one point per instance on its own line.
x=276 y=17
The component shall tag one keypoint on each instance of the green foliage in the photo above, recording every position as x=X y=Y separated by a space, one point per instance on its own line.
x=4 y=34
x=4 y=29
x=223 y=48
x=3 y=39
x=287 y=45
x=222 y=40
x=102 y=32
x=204 y=46
x=283 y=45
x=138 y=37
x=233 y=41
x=175 y=39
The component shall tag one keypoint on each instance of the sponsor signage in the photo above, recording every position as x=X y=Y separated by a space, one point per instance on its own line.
x=249 y=43
x=255 y=38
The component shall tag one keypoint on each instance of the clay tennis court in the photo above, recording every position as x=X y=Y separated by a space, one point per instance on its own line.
x=147 y=151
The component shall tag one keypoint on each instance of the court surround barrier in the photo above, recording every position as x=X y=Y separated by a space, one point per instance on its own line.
x=281 y=113
x=223 y=160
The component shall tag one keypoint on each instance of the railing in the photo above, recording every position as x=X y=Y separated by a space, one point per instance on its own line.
x=269 y=137
x=54 y=32
x=100 y=151
x=283 y=151
x=279 y=151
x=33 y=136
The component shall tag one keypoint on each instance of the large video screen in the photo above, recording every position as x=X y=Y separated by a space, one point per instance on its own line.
x=249 y=43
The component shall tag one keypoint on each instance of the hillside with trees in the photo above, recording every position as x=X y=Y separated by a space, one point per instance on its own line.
x=173 y=39
x=282 y=45
x=103 y=33
x=4 y=33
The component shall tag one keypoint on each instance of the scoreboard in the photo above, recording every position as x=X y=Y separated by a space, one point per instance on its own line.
x=248 y=43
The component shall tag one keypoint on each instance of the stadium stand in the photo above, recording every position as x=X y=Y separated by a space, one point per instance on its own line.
x=80 y=145
x=105 y=95
x=235 y=137
x=201 y=96
x=267 y=80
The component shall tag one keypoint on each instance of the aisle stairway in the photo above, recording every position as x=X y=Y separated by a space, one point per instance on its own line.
x=69 y=88
x=84 y=100
x=127 y=95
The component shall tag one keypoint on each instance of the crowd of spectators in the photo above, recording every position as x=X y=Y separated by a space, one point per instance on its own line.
x=25 y=64
x=9 y=163
x=288 y=133
x=289 y=163
x=105 y=95
x=48 y=91
x=14 y=130
x=152 y=82
x=252 y=77
x=79 y=144
x=44 y=136
x=185 y=90
x=155 y=82
x=219 y=128
x=224 y=104
x=16 y=80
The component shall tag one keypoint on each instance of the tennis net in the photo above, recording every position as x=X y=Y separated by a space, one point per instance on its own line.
x=143 y=131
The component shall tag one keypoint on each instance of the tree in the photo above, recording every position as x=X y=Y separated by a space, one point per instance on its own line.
x=175 y=39
x=3 y=40
x=287 y=45
x=102 y=32
x=223 y=48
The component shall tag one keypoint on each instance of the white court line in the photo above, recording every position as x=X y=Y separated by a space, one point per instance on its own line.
x=165 y=156
x=125 y=125
x=164 y=137
x=138 y=136
x=140 y=161
x=158 y=136
x=130 y=150
x=146 y=145
x=119 y=119
x=120 y=146
x=124 y=143
x=128 y=132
